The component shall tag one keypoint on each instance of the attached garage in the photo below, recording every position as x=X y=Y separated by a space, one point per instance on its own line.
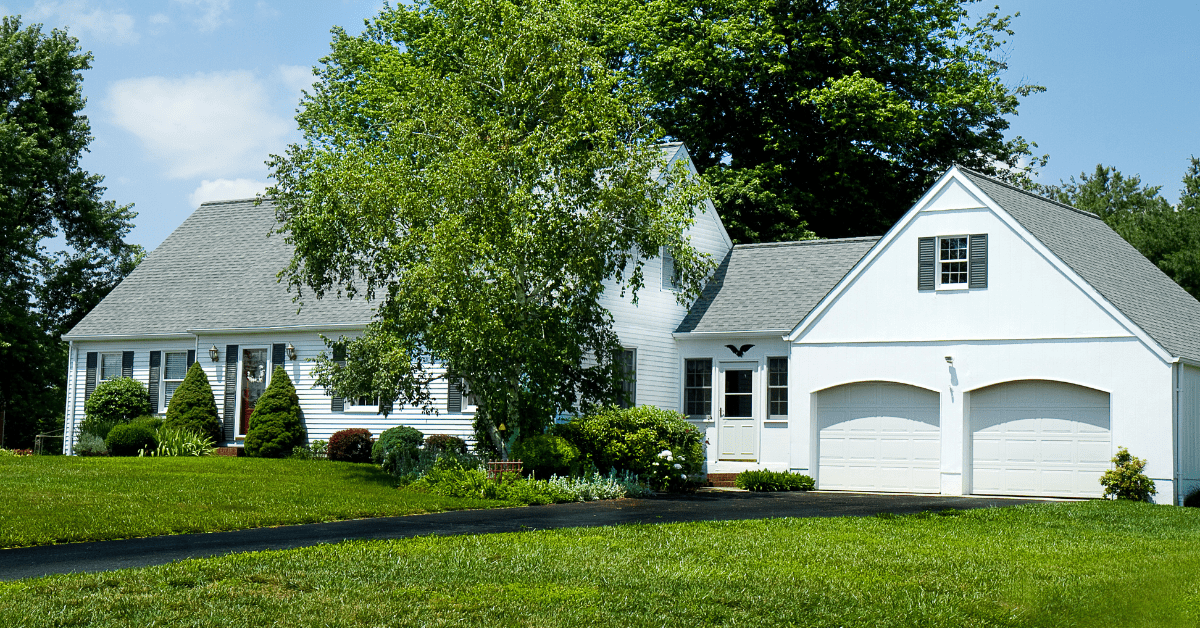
x=878 y=436
x=1039 y=438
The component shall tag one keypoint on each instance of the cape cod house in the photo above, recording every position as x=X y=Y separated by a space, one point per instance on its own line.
x=992 y=342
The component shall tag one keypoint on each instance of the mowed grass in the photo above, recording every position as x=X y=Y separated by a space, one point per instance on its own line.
x=1078 y=564
x=56 y=499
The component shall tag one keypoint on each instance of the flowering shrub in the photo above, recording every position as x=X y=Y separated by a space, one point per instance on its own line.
x=352 y=445
x=1127 y=481
x=763 y=480
x=645 y=440
x=15 y=453
x=447 y=477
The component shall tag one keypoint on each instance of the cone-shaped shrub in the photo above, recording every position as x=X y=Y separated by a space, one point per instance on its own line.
x=193 y=407
x=275 y=424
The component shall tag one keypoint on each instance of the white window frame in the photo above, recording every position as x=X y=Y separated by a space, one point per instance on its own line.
x=629 y=384
x=966 y=261
x=120 y=366
x=771 y=387
x=164 y=400
x=712 y=392
x=353 y=405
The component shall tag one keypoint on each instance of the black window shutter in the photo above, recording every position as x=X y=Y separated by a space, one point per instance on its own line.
x=453 y=393
x=89 y=385
x=977 y=247
x=926 y=263
x=155 y=365
x=336 y=403
x=277 y=355
x=127 y=364
x=191 y=357
x=230 y=390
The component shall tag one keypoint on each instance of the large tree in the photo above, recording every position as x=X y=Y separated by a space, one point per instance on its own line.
x=823 y=116
x=45 y=193
x=478 y=170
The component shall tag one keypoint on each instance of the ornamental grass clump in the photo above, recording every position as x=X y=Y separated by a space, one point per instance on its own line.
x=193 y=407
x=173 y=441
x=1127 y=481
x=276 y=425
x=769 y=481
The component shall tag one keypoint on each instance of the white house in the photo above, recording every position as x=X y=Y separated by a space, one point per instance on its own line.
x=992 y=342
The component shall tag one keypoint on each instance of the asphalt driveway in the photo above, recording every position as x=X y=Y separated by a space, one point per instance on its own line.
x=31 y=562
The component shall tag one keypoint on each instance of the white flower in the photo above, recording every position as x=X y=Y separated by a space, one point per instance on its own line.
x=683 y=476
x=678 y=466
x=666 y=453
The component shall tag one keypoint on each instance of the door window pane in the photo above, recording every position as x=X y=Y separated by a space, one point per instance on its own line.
x=739 y=393
x=697 y=387
x=254 y=383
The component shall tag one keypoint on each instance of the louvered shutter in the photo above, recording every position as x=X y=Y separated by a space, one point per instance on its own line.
x=89 y=385
x=453 y=393
x=230 y=419
x=277 y=355
x=192 y=357
x=336 y=403
x=926 y=262
x=155 y=365
x=127 y=364
x=978 y=254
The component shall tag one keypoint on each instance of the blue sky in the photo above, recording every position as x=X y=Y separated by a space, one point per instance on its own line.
x=187 y=98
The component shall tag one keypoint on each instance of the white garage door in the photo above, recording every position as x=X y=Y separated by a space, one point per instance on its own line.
x=1039 y=438
x=878 y=436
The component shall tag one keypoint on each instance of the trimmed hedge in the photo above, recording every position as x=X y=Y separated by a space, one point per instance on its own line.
x=352 y=445
x=769 y=481
x=193 y=407
x=403 y=438
x=276 y=426
x=127 y=439
x=115 y=401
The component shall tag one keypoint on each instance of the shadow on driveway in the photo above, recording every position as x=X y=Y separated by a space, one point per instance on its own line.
x=31 y=562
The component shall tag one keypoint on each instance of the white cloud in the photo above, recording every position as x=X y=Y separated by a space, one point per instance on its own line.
x=216 y=124
x=160 y=18
x=208 y=14
x=296 y=78
x=81 y=18
x=225 y=189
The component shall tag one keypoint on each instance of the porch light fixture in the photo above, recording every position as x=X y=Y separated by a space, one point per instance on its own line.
x=213 y=353
x=949 y=359
x=291 y=351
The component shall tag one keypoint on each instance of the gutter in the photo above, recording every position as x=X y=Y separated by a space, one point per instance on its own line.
x=704 y=335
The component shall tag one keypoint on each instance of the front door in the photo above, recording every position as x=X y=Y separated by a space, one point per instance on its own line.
x=739 y=430
x=254 y=383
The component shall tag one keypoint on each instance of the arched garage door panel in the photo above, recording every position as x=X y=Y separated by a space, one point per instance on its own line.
x=1039 y=438
x=878 y=436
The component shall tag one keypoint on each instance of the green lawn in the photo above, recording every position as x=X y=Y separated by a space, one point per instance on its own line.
x=55 y=499
x=1077 y=564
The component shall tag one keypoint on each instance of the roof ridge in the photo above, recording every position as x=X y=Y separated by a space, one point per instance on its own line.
x=814 y=241
x=1027 y=192
x=233 y=201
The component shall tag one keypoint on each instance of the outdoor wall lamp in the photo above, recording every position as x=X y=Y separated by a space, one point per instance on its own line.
x=213 y=353
x=291 y=351
x=950 y=359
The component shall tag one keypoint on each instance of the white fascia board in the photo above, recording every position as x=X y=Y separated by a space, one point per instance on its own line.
x=867 y=259
x=709 y=335
x=274 y=328
x=170 y=336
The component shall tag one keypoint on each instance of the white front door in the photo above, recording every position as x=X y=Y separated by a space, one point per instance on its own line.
x=738 y=437
x=879 y=436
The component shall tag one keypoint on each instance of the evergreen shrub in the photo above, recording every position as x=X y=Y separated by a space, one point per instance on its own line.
x=545 y=455
x=1127 y=481
x=658 y=445
x=276 y=425
x=402 y=437
x=439 y=443
x=114 y=401
x=193 y=406
x=764 y=480
x=128 y=439
x=352 y=445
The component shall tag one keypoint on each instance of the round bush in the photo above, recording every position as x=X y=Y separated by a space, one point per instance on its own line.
x=401 y=437
x=658 y=445
x=126 y=439
x=545 y=455
x=116 y=401
x=276 y=427
x=352 y=445
x=438 y=443
x=193 y=406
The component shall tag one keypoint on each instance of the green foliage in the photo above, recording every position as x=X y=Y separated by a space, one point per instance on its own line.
x=764 y=480
x=446 y=443
x=173 y=441
x=116 y=401
x=406 y=440
x=1127 y=481
x=90 y=444
x=193 y=406
x=659 y=445
x=545 y=455
x=351 y=445
x=828 y=117
x=276 y=425
x=97 y=427
x=478 y=169
x=450 y=478
x=45 y=194
x=408 y=468
x=129 y=439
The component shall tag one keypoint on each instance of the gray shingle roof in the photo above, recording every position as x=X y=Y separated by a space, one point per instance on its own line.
x=216 y=271
x=1129 y=281
x=760 y=287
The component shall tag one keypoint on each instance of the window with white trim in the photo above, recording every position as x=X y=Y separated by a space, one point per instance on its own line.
x=697 y=388
x=777 y=392
x=110 y=366
x=952 y=261
x=174 y=370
